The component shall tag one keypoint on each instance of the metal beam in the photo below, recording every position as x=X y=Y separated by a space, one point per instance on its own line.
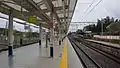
x=17 y=14
x=56 y=8
x=32 y=7
x=66 y=17
x=61 y=18
x=83 y=22
x=50 y=6
x=65 y=12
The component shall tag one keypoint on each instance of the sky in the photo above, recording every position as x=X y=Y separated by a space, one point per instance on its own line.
x=91 y=10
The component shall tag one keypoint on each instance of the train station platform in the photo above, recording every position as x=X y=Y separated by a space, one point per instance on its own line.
x=32 y=56
x=105 y=43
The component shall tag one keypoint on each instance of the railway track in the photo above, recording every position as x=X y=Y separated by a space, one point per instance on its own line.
x=92 y=57
x=111 y=52
x=87 y=61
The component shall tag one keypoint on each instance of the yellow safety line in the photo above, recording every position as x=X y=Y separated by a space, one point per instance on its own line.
x=63 y=62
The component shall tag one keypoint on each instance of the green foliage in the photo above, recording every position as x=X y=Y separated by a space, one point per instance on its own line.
x=80 y=32
x=97 y=28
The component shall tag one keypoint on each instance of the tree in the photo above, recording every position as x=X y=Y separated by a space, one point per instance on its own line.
x=90 y=28
x=79 y=31
x=105 y=22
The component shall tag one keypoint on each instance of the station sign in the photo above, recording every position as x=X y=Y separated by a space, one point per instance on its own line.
x=32 y=19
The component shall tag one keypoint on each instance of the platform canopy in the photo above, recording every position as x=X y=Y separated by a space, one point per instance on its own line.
x=62 y=11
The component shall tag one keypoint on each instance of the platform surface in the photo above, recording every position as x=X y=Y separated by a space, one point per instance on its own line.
x=106 y=43
x=32 y=56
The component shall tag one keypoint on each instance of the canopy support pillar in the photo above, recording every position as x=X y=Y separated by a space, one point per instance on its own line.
x=40 y=32
x=10 y=35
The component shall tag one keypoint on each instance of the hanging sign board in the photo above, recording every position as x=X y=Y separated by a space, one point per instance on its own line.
x=32 y=19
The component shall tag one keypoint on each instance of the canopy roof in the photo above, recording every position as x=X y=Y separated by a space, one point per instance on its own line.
x=22 y=9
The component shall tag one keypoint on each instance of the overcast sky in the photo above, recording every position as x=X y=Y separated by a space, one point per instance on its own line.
x=87 y=12
x=104 y=8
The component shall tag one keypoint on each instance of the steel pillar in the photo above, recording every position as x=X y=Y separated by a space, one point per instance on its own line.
x=46 y=39
x=52 y=42
x=40 y=32
x=10 y=35
x=52 y=36
x=102 y=28
x=60 y=38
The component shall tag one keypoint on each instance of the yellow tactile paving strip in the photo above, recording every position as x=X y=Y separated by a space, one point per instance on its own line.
x=63 y=62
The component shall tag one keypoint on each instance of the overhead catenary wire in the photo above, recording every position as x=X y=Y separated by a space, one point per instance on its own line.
x=89 y=6
x=92 y=9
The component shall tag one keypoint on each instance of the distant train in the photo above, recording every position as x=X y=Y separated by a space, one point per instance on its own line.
x=18 y=42
x=85 y=36
x=81 y=35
